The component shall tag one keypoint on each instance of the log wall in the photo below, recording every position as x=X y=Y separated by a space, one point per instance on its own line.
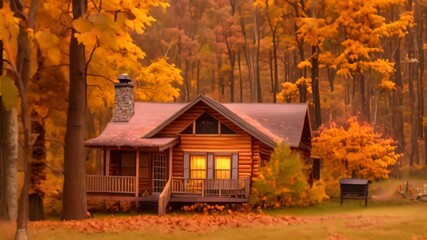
x=240 y=144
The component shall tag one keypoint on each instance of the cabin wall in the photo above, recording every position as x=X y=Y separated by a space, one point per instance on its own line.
x=260 y=153
x=240 y=144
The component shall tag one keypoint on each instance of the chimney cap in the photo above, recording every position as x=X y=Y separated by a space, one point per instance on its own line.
x=124 y=78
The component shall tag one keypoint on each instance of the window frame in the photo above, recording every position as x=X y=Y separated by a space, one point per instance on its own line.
x=211 y=171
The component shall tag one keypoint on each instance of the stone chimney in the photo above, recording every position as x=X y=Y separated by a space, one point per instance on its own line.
x=124 y=99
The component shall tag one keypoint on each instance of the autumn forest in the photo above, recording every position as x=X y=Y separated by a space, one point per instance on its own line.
x=59 y=61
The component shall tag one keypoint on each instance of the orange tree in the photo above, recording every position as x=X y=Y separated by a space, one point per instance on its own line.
x=354 y=151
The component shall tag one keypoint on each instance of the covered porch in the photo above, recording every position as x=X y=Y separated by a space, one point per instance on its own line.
x=185 y=190
x=148 y=179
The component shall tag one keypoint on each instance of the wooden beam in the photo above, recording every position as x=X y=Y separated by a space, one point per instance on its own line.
x=170 y=161
x=137 y=174
x=107 y=162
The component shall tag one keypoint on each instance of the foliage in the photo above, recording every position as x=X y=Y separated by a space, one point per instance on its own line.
x=157 y=82
x=9 y=30
x=110 y=206
x=218 y=208
x=288 y=93
x=354 y=151
x=283 y=183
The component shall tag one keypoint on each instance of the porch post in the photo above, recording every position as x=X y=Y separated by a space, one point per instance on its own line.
x=137 y=173
x=170 y=163
x=107 y=162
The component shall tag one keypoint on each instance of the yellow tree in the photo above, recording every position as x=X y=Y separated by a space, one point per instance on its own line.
x=347 y=38
x=100 y=28
x=354 y=151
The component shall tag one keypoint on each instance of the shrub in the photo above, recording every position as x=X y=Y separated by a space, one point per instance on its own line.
x=283 y=183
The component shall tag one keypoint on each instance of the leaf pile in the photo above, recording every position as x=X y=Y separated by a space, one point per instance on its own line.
x=170 y=224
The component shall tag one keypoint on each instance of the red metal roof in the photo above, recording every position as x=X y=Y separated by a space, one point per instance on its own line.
x=267 y=122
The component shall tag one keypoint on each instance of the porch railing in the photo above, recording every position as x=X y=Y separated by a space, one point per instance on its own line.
x=211 y=187
x=164 y=198
x=110 y=184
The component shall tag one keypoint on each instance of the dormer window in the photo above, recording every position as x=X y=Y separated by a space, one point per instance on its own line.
x=207 y=124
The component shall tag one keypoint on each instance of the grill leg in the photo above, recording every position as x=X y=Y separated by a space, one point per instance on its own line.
x=341 y=200
x=366 y=201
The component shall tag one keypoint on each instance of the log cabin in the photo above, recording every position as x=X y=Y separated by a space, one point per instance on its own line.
x=201 y=151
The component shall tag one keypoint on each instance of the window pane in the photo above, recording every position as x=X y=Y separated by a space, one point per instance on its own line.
x=188 y=130
x=206 y=124
x=226 y=130
x=222 y=167
x=198 y=166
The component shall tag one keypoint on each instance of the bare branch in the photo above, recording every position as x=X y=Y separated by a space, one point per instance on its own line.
x=100 y=76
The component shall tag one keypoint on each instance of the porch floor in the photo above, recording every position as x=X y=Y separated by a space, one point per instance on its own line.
x=121 y=197
x=179 y=198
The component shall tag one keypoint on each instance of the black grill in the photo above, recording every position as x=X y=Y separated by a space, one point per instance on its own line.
x=354 y=188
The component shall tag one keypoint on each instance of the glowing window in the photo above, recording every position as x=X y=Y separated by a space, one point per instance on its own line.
x=222 y=167
x=198 y=166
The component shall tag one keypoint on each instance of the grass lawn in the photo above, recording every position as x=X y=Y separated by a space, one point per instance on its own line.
x=385 y=217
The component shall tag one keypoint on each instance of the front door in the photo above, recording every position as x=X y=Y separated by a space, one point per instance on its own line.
x=144 y=173
x=159 y=172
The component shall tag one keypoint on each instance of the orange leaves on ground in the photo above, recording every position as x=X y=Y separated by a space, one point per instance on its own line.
x=170 y=224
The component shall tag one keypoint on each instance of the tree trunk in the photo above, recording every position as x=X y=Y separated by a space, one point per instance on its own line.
x=315 y=87
x=414 y=154
x=239 y=66
x=397 y=101
x=248 y=57
x=38 y=169
x=419 y=30
x=363 y=98
x=8 y=155
x=74 y=193
x=270 y=64
x=22 y=78
x=257 y=41
x=8 y=163
x=198 y=77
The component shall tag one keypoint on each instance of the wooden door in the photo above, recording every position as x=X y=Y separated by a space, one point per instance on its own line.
x=144 y=173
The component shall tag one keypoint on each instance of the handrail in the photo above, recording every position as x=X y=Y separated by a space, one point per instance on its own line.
x=164 y=198
x=211 y=187
x=106 y=184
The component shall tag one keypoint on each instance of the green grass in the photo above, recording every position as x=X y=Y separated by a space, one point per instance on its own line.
x=387 y=216
x=350 y=221
x=327 y=221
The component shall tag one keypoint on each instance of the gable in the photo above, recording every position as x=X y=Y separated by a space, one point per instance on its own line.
x=188 y=117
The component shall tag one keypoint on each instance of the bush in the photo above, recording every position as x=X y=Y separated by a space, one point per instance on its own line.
x=283 y=183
